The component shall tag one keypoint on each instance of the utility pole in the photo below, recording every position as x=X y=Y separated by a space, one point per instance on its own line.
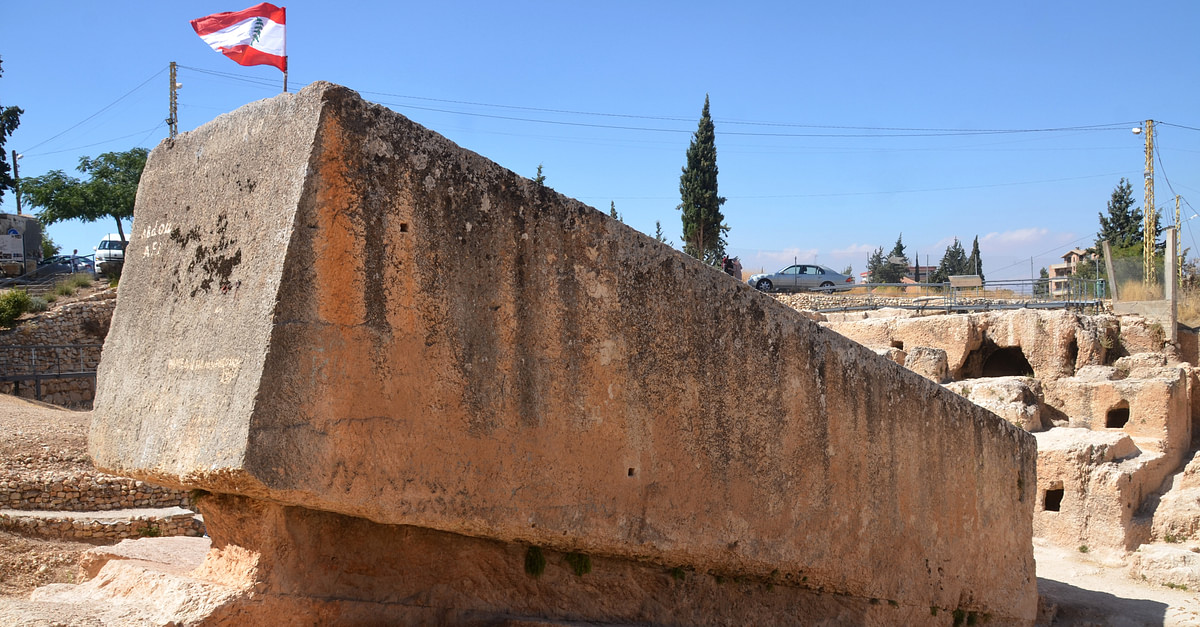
x=16 y=180
x=173 y=118
x=1178 y=262
x=1151 y=215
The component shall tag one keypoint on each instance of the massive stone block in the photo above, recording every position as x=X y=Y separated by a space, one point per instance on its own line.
x=328 y=307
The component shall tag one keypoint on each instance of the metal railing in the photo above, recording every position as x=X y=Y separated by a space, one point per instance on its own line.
x=1057 y=293
x=56 y=362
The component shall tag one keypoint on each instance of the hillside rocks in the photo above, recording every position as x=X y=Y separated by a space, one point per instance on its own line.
x=373 y=329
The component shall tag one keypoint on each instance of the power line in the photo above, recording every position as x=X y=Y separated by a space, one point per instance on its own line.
x=899 y=191
x=102 y=110
x=99 y=143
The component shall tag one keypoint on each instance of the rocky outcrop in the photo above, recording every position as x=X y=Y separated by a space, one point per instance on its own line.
x=1025 y=342
x=375 y=329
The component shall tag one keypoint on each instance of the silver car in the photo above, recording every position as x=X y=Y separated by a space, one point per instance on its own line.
x=802 y=277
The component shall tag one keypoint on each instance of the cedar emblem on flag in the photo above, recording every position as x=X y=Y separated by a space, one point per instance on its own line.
x=254 y=36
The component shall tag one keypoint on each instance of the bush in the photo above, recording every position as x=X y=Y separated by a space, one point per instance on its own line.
x=13 y=303
x=63 y=288
x=37 y=304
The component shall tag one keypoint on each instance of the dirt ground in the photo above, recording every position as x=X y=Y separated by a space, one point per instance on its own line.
x=37 y=437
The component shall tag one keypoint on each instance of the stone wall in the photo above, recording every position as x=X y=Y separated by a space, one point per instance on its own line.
x=83 y=492
x=369 y=323
x=82 y=322
x=92 y=529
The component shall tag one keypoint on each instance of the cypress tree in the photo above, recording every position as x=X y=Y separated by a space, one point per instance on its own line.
x=703 y=224
x=975 y=262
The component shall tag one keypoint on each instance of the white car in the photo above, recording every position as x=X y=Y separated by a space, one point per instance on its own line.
x=110 y=254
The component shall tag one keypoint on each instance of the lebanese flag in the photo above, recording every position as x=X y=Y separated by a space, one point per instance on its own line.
x=254 y=36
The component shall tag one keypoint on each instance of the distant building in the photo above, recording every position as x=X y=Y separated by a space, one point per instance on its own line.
x=1059 y=272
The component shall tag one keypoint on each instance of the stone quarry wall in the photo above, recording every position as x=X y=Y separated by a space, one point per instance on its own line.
x=83 y=322
x=368 y=321
x=1114 y=406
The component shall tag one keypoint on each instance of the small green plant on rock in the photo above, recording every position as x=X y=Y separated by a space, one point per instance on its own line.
x=535 y=562
x=1176 y=586
x=1083 y=548
x=677 y=573
x=150 y=531
x=580 y=564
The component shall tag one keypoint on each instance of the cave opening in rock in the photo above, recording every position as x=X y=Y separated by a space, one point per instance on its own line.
x=1007 y=362
x=1053 y=500
x=1118 y=416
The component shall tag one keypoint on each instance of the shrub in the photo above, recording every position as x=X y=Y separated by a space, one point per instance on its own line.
x=535 y=561
x=37 y=303
x=580 y=563
x=13 y=303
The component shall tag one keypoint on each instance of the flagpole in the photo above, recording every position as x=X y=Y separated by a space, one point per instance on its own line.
x=285 y=81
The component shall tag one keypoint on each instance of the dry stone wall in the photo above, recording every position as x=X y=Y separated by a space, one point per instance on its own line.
x=83 y=492
x=103 y=529
x=82 y=322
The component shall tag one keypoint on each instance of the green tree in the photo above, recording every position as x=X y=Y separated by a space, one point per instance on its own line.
x=49 y=248
x=848 y=270
x=10 y=119
x=875 y=263
x=703 y=223
x=612 y=211
x=954 y=261
x=974 y=263
x=540 y=179
x=109 y=191
x=892 y=271
x=1042 y=287
x=1124 y=224
x=658 y=232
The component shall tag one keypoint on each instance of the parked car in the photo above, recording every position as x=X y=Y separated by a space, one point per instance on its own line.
x=110 y=253
x=802 y=277
x=64 y=264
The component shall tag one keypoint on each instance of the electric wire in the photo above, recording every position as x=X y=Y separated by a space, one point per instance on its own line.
x=99 y=143
x=102 y=110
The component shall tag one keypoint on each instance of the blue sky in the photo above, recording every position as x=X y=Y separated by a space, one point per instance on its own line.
x=606 y=96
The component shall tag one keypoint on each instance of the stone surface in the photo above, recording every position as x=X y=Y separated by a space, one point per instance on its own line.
x=178 y=555
x=1051 y=344
x=1015 y=399
x=367 y=320
x=1166 y=564
x=1101 y=478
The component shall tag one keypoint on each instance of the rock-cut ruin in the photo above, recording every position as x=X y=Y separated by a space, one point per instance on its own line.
x=411 y=386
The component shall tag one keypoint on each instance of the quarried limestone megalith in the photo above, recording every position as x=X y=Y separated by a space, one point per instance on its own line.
x=334 y=318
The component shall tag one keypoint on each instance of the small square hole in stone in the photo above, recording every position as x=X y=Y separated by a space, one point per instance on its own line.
x=630 y=472
x=1054 y=499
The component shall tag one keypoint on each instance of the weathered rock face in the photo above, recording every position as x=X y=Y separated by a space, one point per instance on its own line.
x=1045 y=344
x=327 y=306
x=1015 y=399
x=1087 y=492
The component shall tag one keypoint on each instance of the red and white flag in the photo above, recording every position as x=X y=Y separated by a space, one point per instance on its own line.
x=254 y=36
